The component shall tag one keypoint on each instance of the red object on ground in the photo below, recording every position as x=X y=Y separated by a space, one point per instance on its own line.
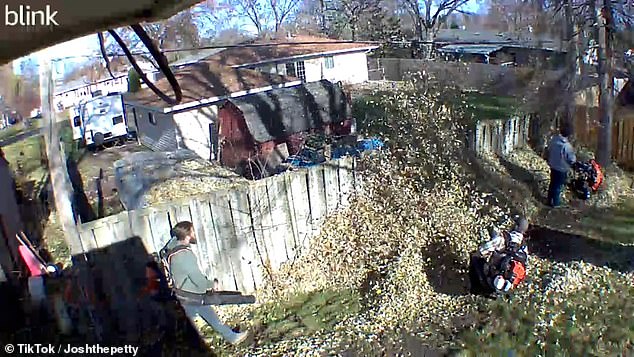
x=32 y=262
x=519 y=273
x=599 y=172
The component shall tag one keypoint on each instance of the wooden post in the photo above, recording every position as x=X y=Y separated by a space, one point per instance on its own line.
x=56 y=164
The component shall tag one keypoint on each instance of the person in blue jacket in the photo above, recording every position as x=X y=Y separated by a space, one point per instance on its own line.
x=561 y=157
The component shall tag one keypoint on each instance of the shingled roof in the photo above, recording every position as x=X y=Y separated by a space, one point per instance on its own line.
x=286 y=48
x=206 y=80
x=281 y=112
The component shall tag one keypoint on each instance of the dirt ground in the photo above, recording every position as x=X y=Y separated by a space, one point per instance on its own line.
x=93 y=177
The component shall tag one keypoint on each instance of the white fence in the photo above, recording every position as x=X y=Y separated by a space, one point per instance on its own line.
x=500 y=136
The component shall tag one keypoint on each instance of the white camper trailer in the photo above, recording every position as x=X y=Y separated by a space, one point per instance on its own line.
x=100 y=120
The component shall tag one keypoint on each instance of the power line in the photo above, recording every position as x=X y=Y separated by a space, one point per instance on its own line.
x=211 y=47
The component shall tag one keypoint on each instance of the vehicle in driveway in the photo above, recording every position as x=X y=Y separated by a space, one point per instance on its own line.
x=100 y=120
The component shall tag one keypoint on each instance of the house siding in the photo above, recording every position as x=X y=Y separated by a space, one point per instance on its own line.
x=349 y=68
x=237 y=144
x=161 y=136
x=196 y=129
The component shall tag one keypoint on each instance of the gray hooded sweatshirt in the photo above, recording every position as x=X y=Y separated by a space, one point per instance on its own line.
x=561 y=155
x=185 y=271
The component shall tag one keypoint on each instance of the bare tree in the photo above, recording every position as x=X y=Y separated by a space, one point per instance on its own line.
x=281 y=10
x=265 y=15
x=352 y=12
x=606 y=95
x=428 y=15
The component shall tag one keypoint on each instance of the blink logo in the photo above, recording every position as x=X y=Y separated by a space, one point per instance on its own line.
x=23 y=15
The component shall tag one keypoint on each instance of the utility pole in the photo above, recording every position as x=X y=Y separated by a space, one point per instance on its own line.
x=62 y=189
x=571 y=70
x=606 y=89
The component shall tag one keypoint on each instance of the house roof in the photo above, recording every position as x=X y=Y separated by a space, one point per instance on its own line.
x=80 y=83
x=285 y=49
x=209 y=81
x=523 y=40
x=278 y=113
x=196 y=57
x=482 y=37
x=471 y=49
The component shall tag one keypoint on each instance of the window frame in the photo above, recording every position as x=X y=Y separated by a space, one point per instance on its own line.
x=329 y=62
x=300 y=69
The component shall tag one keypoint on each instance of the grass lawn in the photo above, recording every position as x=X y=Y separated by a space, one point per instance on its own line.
x=301 y=315
x=617 y=225
x=485 y=106
x=10 y=131
x=25 y=159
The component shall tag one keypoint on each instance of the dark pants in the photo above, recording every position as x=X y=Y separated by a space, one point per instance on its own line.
x=557 y=183
x=214 y=298
x=478 y=276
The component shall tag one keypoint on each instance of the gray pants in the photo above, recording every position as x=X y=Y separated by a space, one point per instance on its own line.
x=208 y=314
x=200 y=305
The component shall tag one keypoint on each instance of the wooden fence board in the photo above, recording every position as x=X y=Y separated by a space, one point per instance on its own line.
x=275 y=253
x=160 y=225
x=317 y=196
x=346 y=178
x=139 y=225
x=331 y=188
x=255 y=195
x=202 y=247
x=301 y=208
x=290 y=206
x=104 y=235
x=244 y=261
x=87 y=238
x=280 y=218
x=225 y=238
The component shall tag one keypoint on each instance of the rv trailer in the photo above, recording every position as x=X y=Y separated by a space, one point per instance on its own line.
x=100 y=120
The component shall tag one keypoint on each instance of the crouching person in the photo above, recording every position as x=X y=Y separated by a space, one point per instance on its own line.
x=499 y=265
x=194 y=290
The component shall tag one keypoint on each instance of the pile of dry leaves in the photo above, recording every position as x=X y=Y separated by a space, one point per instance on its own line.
x=405 y=240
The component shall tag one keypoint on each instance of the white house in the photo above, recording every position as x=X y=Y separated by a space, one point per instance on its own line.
x=73 y=92
x=70 y=94
x=306 y=57
x=192 y=123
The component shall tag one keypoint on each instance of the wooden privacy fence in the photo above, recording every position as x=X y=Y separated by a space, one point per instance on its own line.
x=500 y=136
x=587 y=128
x=242 y=233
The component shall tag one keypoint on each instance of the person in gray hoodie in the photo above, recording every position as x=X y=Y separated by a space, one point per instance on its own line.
x=561 y=157
x=192 y=287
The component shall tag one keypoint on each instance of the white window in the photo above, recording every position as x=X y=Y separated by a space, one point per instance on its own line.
x=296 y=69
x=329 y=62
x=301 y=70
x=290 y=70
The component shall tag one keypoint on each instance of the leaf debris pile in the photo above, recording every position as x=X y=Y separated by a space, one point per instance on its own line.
x=404 y=242
x=150 y=178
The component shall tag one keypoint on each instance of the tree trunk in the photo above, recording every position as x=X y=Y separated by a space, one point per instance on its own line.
x=571 y=68
x=62 y=189
x=606 y=89
x=322 y=15
x=429 y=43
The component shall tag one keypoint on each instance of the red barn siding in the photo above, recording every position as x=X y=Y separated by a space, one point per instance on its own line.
x=295 y=142
x=343 y=128
x=237 y=144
